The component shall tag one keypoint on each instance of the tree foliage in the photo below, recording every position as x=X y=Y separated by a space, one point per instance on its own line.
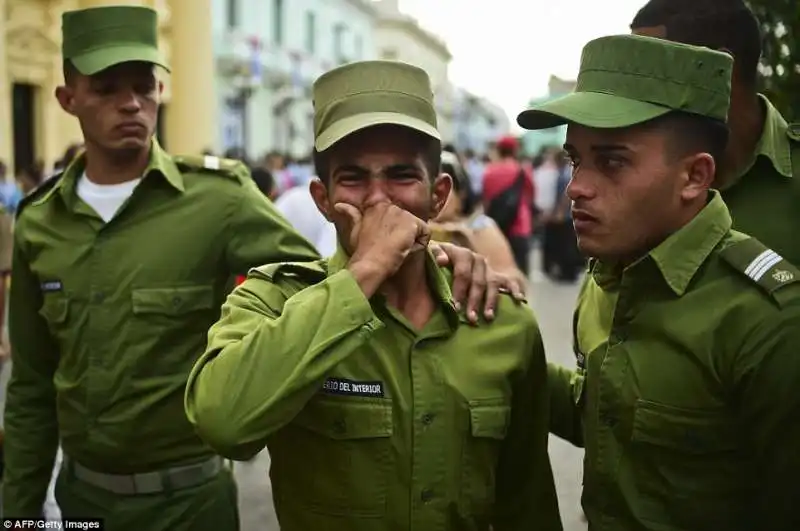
x=780 y=24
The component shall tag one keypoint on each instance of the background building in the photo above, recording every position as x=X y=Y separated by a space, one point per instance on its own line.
x=465 y=120
x=477 y=122
x=268 y=54
x=534 y=141
x=33 y=128
x=399 y=37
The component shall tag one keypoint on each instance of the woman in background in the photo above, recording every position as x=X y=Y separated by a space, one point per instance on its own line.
x=463 y=222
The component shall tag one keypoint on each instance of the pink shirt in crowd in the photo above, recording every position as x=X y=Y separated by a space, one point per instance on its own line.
x=500 y=175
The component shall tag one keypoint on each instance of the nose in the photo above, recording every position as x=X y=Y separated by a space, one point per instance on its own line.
x=129 y=101
x=579 y=187
x=377 y=191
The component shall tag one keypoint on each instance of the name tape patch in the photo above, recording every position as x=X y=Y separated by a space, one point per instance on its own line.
x=340 y=386
x=52 y=285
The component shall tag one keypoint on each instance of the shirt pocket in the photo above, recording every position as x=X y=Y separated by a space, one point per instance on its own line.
x=688 y=467
x=488 y=425
x=55 y=311
x=335 y=458
x=171 y=302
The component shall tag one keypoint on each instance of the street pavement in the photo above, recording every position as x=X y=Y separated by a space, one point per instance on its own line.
x=553 y=304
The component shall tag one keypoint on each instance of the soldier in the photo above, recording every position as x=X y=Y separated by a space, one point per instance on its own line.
x=686 y=332
x=759 y=174
x=380 y=408
x=120 y=266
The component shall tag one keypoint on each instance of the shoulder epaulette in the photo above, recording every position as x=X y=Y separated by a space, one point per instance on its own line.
x=232 y=168
x=39 y=192
x=307 y=272
x=763 y=266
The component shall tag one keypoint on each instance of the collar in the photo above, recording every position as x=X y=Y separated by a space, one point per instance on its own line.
x=438 y=282
x=679 y=257
x=160 y=162
x=773 y=145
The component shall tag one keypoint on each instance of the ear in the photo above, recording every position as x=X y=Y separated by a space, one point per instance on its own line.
x=319 y=192
x=66 y=98
x=699 y=174
x=440 y=193
x=160 y=89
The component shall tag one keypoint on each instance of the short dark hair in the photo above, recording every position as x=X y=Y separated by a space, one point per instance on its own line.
x=717 y=24
x=264 y=181
x=692 y=133
x=432 y=158
x=70 y=72
x=462 y=187
x=506 y=150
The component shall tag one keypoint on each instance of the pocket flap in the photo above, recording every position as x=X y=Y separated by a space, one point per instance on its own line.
x=55 y=309
x=685 y=430
x=346 y=420
x=172 y=301
x=489 y=421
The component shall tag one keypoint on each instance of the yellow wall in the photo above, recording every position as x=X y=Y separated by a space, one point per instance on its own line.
x=31 y=53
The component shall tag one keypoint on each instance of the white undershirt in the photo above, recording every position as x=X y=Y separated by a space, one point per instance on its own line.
x=105 y=199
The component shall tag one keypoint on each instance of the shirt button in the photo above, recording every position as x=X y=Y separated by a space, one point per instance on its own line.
x=176 y=301
x=426 y=495
x=99 y=297
x=427 y=418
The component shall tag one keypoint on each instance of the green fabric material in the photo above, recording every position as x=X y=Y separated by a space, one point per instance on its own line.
x=625 y=80
x=764 y=200
x=107 y=319
x=210 y=506
x=98 y=38
x=685 y=393
x=455 y=439
x=363 y=94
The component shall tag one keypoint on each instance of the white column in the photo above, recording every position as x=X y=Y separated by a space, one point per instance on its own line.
x=192 y=111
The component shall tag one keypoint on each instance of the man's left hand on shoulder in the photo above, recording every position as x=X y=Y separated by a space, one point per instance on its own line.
x=475 y=282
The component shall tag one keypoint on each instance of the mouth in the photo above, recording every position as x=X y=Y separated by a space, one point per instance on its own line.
x=583 y=220
x=131 y=127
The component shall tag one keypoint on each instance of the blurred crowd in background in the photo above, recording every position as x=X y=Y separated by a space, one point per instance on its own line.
x=485 y=213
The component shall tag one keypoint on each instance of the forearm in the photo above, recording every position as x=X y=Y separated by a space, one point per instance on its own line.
x=31 y=425
x=566 y=388
x=263 y=363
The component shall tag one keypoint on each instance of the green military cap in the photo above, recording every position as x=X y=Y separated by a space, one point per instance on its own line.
x=625 y=80
x=98 y=38
x=366 y=93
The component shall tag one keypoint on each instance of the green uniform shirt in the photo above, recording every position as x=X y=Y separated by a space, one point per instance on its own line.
x=107 y=319
x=372 y=425
x=686 y=392
x=765 y=200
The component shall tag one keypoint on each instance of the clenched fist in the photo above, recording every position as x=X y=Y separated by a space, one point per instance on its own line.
x=381 y=237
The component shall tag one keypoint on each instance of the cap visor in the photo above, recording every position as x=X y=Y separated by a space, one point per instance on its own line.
x=352 y=124
x=590 y=109
x=98 y=60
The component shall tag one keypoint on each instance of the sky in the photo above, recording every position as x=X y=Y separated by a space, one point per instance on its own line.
x=506 y=50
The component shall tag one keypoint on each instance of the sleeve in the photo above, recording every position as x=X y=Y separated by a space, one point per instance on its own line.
x=6 y=243
x=567 y=388
x=266 y=359
x=31 y=427
x=566 y=407
x=526 y=493
x=258 y=234
x=767 y=374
